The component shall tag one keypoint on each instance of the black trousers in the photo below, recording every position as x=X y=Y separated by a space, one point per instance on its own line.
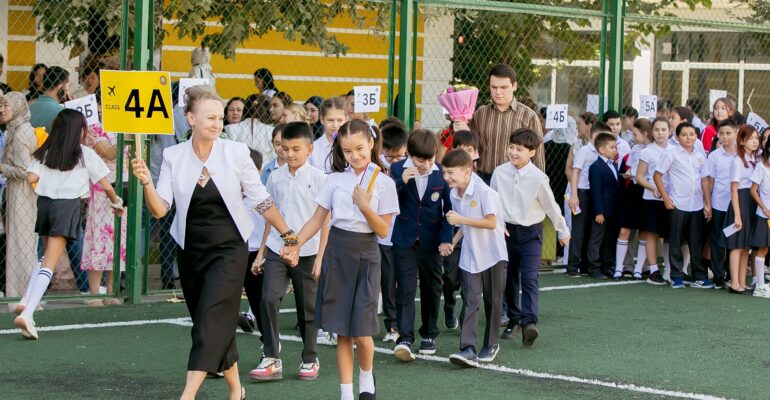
x=525 y=247
x=488 y=285
x=409 y=264
x=277 y=276
x=451 y=279
x=388 y=286
x=716 y=242
x=253 y=287
x=687 y=226
x=581 y=227
x=601 y=246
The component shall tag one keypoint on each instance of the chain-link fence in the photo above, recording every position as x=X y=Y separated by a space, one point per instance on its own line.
x=267 y=58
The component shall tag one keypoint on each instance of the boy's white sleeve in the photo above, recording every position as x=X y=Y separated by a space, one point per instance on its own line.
x=664 y=162
x=735 y=170
x=548 y=202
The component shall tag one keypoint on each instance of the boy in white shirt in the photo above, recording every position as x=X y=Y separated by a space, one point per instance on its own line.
x=526 y=200
x=293 y=187
x=477 y=211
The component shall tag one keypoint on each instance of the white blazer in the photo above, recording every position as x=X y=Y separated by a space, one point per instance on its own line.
x=232 y=170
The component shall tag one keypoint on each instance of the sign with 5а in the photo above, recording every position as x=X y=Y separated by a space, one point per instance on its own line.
x=648 y=106
x=87 y=106
x=556 y=116
x=137 y=102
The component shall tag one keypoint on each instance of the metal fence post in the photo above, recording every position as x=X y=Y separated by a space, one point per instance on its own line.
x=404 y=62
x=391 y=56
x=603 y=57
x=618 y=9
x=413 y=97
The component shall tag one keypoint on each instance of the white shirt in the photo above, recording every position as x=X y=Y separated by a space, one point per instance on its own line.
x=232 y=170
x=623 y=147
x=337 y=196
x=633 y=160
x=482 y=248
x=72 y=184
x=388 y=240
x=685 y=171
x=610 y=164
x=320 y=158
x=761 y=177
x=295 y=198
x=527 y=197
x=258 y=233
x=741 y=173
x=720 y=165
x=582 y=161
x=698 y=146
x=420 y=180
x=254 y=134
x=651 y=155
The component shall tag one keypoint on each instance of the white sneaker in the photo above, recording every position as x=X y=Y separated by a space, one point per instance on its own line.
x=27 y=327
x=762 y=291
x=618 y=274
x=391 y=336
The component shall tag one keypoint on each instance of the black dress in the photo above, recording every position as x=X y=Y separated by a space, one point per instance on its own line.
x=211 y=269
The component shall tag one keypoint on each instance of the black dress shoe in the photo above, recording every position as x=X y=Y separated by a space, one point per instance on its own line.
x=733 y=291
x=367 y=395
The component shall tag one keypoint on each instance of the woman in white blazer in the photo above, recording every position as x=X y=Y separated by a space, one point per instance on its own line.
x=208 y=179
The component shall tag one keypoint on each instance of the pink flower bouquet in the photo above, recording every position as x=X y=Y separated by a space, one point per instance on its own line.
x=460 y=101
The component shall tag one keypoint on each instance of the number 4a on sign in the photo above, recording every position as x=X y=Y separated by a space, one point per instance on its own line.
x=556 y=116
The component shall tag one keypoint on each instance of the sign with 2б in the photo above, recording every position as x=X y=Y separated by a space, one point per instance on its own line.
x=137 y=102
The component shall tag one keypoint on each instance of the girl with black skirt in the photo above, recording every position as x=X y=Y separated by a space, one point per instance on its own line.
x=213 y=183
x=62 y=169
x=742 y=207
x=362 y=203
x=760 y=237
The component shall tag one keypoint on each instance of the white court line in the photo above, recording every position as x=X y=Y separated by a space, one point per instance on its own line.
x=491 y=367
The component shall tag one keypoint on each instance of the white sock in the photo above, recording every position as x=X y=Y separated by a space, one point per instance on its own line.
x=32 y=278
x=641 y=256
x=759 y=271
x=365 y=381
x=685 y=257
x=620 y=254
x=666 y=262
x=40 y=284
x=346 y=391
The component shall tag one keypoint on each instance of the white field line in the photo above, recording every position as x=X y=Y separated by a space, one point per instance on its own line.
x=491 y=367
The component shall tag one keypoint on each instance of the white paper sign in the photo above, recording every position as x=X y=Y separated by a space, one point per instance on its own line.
x=592 y=104
x=715 y=95
x=185 y=83
x=367 y=99
x=87 y=106
x=730 y=230
x=556 y=116
x=756 y=121
x=648 y=106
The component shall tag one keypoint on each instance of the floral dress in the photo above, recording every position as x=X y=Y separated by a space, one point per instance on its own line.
x=98 y=245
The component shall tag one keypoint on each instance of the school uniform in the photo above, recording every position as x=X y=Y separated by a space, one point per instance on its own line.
x=687 y=222
x=59 y=193
x=654 y=215
x=581 y=222
x=719 y=164
x=253 y=284
x=631 y=196
x=526 y=200
x=698 y=146
x=321 y=156
x=419 y=230
x=623 y=147
x=294 y=196
x=741 y=172
x=760 y=235
x=605 y=192
x=482 y=262
x=348 y=289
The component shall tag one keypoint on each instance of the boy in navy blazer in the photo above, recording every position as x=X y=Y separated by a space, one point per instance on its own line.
x=421 y=236
x=604 y=192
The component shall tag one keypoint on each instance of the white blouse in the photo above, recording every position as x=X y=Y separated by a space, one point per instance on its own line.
x=72 y=184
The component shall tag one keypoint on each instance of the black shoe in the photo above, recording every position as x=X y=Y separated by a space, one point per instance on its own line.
x=719 y=284
x=451 y=322
x=169 y=286
x=573 y=274
x=511 y=330
x=598 y=275
x=488 y=354
x=428 y=346
x=246 y=323
x=733 y=291
x=367 y=395
x=656 y=279
x=687 y=279
x=504 y=320
x=466 y=358
x=403 y=351
x=530 y=334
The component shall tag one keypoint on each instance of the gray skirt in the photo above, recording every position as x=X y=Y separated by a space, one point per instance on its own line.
x=748 y=208
x=349 y=286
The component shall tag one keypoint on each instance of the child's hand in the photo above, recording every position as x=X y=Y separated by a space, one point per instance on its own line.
x=361 y=198
x=668 y=203
x=656 y=193
x=738 y=223
x=290 y=254
x=707 y=213
x=119 y=211
x=600 y=219
x=564 y=242
x=574 y=203
x=408 y=174
x=317 y=268
x=259 y=264
x=445 y=249
x=454 y=218
x=766 y=212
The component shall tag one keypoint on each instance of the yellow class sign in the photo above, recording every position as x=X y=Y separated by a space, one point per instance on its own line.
x=137 y=102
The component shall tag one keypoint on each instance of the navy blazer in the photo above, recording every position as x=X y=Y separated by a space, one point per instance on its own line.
x=604 y=189
x=423 y=219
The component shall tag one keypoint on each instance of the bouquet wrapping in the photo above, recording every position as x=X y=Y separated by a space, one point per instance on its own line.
x=460 y=101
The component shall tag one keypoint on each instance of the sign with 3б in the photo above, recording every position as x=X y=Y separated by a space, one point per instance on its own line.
x=137 y=102
x=87 y=106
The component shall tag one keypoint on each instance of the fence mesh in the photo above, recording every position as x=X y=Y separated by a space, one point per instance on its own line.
x=326 y=48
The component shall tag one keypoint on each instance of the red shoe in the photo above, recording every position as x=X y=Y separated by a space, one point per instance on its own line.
x=309 y=371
